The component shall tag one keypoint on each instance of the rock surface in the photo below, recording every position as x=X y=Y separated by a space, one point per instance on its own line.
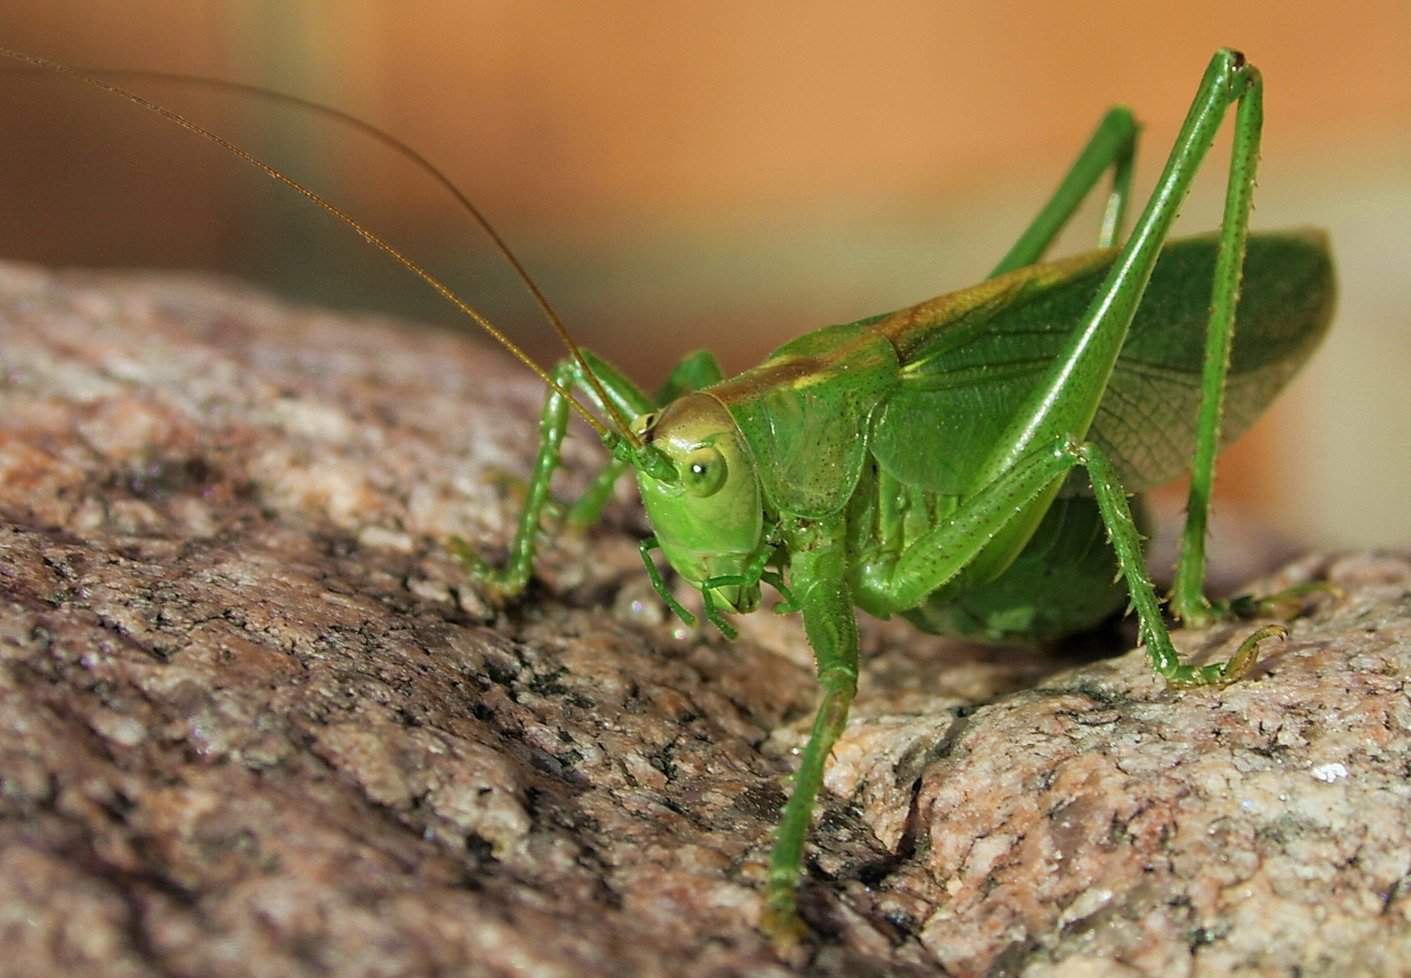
x=254 y=721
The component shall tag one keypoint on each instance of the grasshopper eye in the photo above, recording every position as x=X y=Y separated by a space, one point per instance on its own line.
x=703 y=471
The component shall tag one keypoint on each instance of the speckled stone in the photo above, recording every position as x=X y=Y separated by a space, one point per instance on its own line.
x=254 y=721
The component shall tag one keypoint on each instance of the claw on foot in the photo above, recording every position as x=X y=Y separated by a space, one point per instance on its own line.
x=1283 y=604
x=494 y=583
x=1239 y=664
x=1248 y=652
x=781 y=924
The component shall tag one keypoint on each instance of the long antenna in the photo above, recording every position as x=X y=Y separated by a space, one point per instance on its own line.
x=372 y=237
x=414 y=157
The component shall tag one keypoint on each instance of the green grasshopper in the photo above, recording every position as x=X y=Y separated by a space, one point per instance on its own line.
x=964 y=462
x=959 y=461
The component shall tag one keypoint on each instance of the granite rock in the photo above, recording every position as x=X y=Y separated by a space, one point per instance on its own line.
x=256 y=722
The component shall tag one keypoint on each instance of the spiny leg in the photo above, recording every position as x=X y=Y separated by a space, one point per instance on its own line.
x=818 y=575
x=1113 y=145
x=1126 y=542
x=939 y=555
x=696 y=369
x=588 y=508
x=818 y=572
x=1066 y=399
x=1064 y=403
x=1188 y=601
x=510 y=580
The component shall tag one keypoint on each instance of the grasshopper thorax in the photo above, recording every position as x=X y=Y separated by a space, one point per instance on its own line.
x=710 y=521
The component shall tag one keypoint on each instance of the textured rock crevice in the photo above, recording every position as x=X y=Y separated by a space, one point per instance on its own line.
x=254 y=721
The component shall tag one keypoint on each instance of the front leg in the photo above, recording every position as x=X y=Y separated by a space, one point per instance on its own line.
x=509 y=581
x=818 y=575
x=695 y=370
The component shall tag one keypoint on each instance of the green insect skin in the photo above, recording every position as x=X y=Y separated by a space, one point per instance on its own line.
x=966 y=462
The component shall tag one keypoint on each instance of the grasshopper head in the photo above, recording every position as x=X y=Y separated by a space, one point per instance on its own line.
x=710 y=521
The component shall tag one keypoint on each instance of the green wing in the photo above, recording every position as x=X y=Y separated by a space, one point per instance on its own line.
x=967 y=370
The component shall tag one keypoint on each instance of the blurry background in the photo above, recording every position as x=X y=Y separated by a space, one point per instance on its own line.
x=730 y=175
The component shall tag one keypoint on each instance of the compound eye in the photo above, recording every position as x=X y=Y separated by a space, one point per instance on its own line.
x=703 y=471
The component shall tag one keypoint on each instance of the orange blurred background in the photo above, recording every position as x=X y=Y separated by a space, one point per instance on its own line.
x=730 y=175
